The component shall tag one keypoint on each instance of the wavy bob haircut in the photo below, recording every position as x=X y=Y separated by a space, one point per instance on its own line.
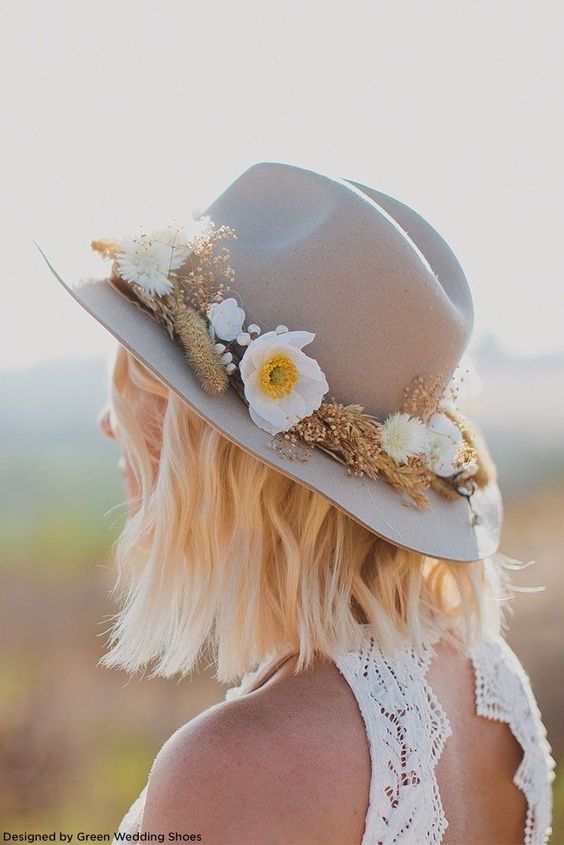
x=222 y=552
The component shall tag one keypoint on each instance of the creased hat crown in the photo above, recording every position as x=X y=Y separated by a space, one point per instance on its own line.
x=385 y=296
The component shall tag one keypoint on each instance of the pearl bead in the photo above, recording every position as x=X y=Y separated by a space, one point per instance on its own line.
x=227 y=358
x=281 y=329
x=253 y=329
x=230 y=368
x=244 y=339
x=219 y=348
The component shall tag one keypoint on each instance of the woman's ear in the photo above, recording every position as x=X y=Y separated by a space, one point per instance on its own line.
x=104 y=423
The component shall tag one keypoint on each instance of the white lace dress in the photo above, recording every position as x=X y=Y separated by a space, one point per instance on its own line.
x=407 y=730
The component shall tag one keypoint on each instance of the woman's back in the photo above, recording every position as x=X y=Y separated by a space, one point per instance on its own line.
x=367 y=750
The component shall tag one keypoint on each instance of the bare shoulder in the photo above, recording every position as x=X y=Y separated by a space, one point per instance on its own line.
x=287 y=763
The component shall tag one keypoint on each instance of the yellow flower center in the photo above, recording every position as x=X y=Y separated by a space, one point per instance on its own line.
x=278 y=376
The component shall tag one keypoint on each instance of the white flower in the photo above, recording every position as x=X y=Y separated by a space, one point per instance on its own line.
x=226 y=319
x=147 y=260
x=445 y=441
x=282 y=384
x=464 y=387
x=403 y=436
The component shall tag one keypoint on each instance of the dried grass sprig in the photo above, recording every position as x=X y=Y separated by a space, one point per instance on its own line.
x=106 y=247
x=411 y=478
x=192 y=331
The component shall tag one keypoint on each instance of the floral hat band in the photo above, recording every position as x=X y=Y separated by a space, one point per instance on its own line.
x=185 y=283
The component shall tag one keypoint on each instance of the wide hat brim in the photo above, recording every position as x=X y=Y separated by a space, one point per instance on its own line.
x=446 y=529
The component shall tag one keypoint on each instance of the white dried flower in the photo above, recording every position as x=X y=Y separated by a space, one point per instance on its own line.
x=226 y=319
x=403 y=437
x=445 y=441
x=147 y=260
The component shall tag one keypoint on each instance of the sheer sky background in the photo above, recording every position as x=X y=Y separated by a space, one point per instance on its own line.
x=120 y=114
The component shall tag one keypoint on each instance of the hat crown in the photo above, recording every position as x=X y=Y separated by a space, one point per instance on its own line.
x=382 y=291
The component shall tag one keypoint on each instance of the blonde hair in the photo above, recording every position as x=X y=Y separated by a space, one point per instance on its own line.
x=224 y=552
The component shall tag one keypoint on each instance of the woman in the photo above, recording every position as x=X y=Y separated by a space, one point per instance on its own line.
x=340 y=560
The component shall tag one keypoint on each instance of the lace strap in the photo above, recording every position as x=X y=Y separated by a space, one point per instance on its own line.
x=503 y=693
x=407 y=730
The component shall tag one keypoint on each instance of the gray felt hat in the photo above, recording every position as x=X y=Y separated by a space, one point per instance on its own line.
x=388 y=303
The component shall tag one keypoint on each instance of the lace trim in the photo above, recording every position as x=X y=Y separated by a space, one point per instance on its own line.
x=407 y=730
x=503 y=693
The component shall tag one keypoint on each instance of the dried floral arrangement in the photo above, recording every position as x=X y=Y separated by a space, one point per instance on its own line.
x=183 y=282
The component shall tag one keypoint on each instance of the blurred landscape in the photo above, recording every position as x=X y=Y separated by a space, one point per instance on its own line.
x=76 y=740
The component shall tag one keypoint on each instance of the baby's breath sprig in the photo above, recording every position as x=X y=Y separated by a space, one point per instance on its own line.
x=421 y=397
x=204 y=278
